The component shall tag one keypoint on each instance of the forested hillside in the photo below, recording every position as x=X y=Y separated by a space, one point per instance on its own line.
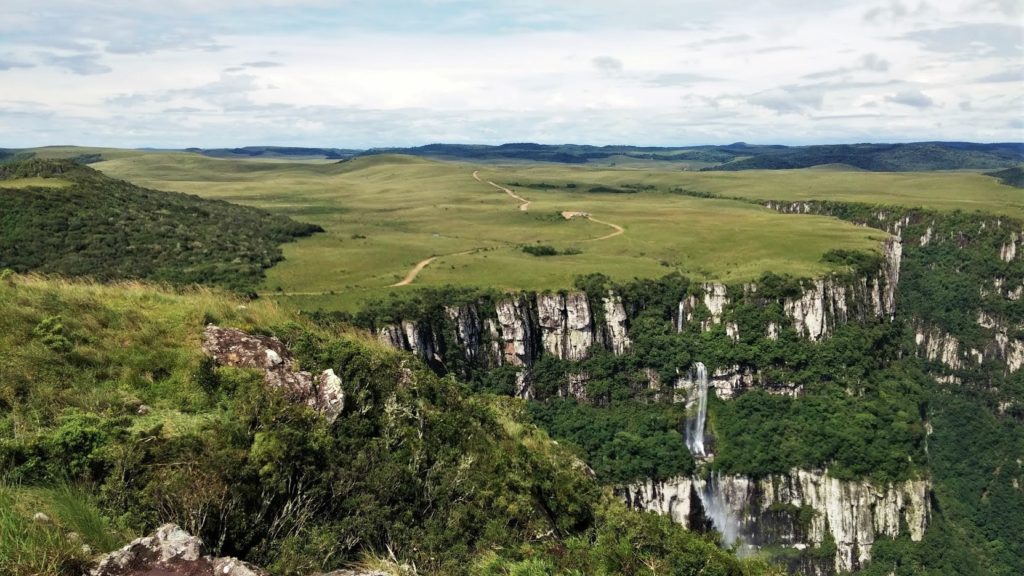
x=117 y=415
x=57 y=216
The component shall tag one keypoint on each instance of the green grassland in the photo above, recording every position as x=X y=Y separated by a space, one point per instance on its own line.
x=967 y=191
x=383 y=214
x=35 y=183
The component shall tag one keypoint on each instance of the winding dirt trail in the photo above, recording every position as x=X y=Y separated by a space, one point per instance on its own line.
x=524 y=203
x=423 y=264
x=619 y=230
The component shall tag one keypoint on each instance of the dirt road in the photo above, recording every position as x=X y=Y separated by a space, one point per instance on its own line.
x=524 y=203
x=423 y=264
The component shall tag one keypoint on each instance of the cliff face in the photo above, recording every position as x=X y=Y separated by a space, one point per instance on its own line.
x=958 y=332
x=566 y=328
x=515 y=332
x=798 y=510
x=518 y=330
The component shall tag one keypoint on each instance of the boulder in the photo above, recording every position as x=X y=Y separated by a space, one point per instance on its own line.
x=170 y=551
x=231 y=347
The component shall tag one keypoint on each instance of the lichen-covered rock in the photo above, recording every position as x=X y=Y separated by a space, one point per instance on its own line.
x=330 y=396
x=169 y=551
x=231 y=347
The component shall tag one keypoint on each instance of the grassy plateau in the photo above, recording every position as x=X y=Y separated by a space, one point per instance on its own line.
x=385 y=214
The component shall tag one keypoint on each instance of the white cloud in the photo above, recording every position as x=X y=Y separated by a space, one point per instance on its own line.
x=360 y=73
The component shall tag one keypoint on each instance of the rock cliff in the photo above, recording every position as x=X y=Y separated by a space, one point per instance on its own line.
x=515 y=332
x=798 y=510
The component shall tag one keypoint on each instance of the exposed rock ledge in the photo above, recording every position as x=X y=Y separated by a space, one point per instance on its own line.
x=853 y=513
x=230 y=347
x=170 y=551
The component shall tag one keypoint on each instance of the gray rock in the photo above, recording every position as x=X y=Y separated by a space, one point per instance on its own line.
x=230 y=347
x=170 y=551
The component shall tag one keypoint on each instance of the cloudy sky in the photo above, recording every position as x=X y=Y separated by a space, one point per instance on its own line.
x=361 y=73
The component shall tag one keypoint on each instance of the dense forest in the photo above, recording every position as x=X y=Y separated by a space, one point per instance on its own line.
x=87 y=224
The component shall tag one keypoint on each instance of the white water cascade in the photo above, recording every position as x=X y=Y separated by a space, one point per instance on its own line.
x=717 y=510
x=695 y=427
x=711 y=496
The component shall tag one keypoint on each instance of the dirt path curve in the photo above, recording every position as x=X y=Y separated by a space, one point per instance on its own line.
x=524 y=203
x=619 y=230
x=423 y=264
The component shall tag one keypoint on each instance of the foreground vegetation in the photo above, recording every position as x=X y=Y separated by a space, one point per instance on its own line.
x=113 y=422
x=57 y=216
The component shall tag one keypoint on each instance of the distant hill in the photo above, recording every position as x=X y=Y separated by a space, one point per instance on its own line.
x=921 y=156
x=1011 y=176
x=58 y=216
x=276 y=152
x=563 y=153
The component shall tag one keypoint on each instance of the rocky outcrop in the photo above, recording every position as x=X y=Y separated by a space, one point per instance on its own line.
x=567 y=332
x=937 y=346
x=516 y=333
x=716 y=298
x=410 y=337
x=830 y=302
x=231 y=347
x=615 y=323
x=170 y=551
x=713 y=296
x=468 y=329
x=767 y=511
x=728 y=382
x=1008 y=251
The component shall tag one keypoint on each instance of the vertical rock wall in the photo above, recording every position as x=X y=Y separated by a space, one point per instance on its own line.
x=854 y=514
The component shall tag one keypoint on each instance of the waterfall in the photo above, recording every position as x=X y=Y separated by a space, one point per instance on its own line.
x=679 y=319
x=695 y=427
x=717 y=510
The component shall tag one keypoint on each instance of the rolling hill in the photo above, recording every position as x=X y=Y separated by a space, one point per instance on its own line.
x=57 y=216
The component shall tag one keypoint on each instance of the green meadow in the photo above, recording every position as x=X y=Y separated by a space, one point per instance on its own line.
x=384 y=214
x=34 y=183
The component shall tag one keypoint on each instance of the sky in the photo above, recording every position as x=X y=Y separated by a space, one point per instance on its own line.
x=376 y=73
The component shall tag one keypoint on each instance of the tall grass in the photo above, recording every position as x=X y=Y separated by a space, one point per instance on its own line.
x=64 y=544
